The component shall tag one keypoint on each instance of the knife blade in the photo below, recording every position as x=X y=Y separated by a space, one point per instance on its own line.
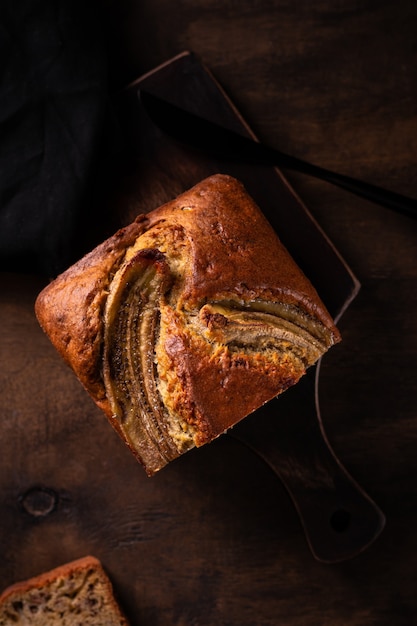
x=219 y=141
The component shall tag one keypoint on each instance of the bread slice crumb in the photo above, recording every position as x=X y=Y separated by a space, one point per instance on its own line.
x=78 y=593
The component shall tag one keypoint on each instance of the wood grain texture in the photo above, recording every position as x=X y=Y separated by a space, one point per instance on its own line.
x=214 y=539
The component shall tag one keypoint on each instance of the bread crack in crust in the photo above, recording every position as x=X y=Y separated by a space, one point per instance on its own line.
x=186 y=321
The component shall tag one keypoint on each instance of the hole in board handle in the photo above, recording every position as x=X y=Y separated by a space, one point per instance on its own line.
x=340 y=520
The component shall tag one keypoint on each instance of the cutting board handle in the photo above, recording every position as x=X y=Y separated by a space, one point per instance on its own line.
x=339 y=519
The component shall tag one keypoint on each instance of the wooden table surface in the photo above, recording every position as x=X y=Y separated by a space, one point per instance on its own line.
x=214 y=538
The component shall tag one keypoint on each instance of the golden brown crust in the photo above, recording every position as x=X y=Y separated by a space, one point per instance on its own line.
x=40 y=580
x=234 y=321
x=70 y=308
x=234 y=249
x=213 y=395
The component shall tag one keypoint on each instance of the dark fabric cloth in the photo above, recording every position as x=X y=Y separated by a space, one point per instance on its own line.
x=53 y=102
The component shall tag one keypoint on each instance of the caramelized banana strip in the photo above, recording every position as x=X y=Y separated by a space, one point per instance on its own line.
x=276 y=327
x=131 y=327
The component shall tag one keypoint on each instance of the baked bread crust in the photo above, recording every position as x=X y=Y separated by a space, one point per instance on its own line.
x=78 y=593
x=82 y=289
x=227 y=318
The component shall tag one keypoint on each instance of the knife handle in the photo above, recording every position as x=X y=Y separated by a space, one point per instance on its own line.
x=339 y=519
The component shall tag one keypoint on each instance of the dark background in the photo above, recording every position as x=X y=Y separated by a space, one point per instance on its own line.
x=216 y=539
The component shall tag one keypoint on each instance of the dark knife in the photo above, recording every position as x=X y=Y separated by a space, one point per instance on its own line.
x=215 y=140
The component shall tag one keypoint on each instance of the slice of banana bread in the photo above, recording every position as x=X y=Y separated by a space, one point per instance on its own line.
x=75 y=594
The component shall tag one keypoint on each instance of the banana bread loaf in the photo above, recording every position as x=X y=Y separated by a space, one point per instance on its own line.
x=186 y=321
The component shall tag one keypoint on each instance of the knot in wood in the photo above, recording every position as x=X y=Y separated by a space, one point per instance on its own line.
x=39 y=501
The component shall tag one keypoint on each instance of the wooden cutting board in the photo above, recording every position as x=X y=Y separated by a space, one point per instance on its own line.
x=69 y=486
x=339 y=519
